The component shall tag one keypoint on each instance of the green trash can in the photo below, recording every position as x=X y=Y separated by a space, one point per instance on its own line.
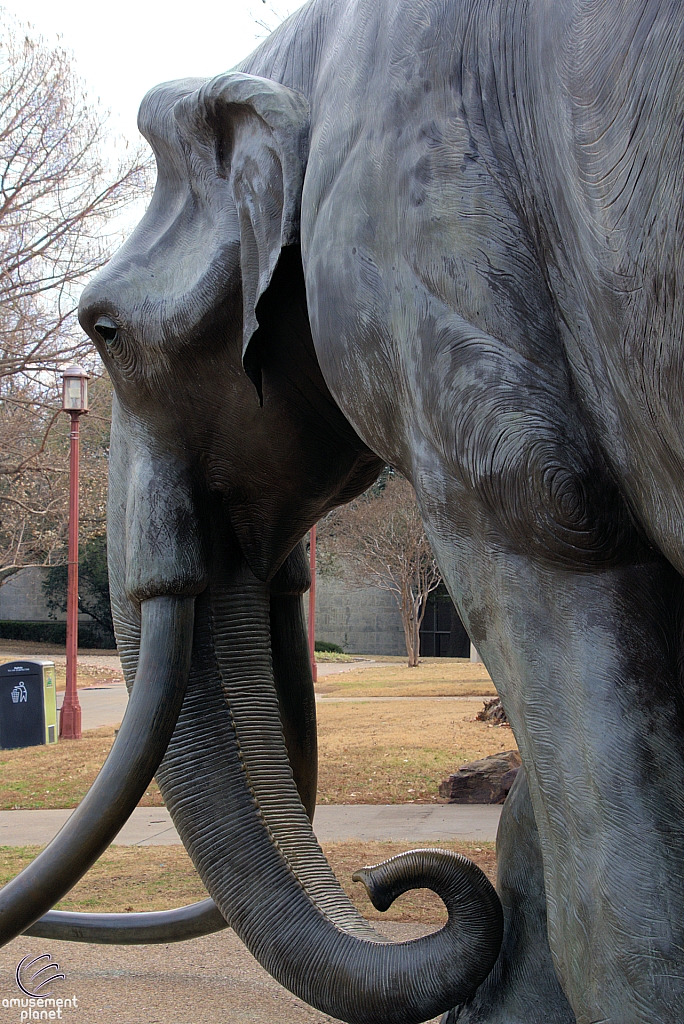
x=28 y=704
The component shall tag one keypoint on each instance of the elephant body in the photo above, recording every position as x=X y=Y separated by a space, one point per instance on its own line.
x=444 y=235
x=492 y=246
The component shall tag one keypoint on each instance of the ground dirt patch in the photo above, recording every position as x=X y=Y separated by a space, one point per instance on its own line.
x=89 y=675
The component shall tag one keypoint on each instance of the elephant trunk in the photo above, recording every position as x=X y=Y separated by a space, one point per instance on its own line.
x=228 y=783
x=296 y=701
x=154 y=706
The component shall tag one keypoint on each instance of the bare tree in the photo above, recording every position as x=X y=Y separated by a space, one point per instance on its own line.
x=32 y=481
x=61 y=189
x=268 y=15
x=58 y=193
x=379 y=540
x=34 y=474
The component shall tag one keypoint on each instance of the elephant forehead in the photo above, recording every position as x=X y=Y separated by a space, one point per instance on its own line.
x=183 y=259
x=181 y=263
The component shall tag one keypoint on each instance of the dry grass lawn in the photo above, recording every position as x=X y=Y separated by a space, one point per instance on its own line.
x=89 y=675
x=369 y=753
x=434 y=677
x=399 y=751
x=59 y=775
x=135 y=878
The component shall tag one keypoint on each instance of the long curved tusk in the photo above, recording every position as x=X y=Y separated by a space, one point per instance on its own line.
x=131 y=929
x=153 y=708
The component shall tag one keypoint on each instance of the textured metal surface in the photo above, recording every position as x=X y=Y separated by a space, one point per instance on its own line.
x=228 y=784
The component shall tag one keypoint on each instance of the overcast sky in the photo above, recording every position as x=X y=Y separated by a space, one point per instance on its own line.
x=123 y=47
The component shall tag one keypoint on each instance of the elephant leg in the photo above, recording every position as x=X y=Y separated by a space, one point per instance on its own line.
x=523 y=987
x=588 y=664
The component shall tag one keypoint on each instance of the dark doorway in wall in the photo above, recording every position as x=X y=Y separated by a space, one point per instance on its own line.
x=442 y=634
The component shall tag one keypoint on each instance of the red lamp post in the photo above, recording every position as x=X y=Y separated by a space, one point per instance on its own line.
x=74 y=402
x=312 y=604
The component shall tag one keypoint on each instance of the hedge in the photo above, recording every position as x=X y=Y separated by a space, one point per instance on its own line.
x=327 y=647
x=89 y=635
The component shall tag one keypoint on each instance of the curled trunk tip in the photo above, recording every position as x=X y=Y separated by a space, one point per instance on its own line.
x=447 y=873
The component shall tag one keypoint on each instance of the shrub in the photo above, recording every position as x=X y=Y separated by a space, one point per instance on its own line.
x=326 y=646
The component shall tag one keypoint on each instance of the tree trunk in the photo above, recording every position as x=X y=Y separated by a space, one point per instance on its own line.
x=411 y=633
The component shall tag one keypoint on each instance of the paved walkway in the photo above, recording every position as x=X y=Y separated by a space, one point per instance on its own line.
x=208 y=980
x=100 y=705
x=419 y=823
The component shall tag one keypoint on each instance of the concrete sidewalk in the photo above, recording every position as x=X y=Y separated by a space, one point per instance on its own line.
x=100 y=705
x=207 y=980
x=412 y=823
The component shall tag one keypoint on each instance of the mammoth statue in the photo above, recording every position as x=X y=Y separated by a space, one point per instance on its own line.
x=445 y=235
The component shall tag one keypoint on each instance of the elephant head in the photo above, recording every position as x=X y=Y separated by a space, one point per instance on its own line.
x=226 y=448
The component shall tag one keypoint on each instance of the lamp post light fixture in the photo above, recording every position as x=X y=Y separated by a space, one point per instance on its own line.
x=75 y=402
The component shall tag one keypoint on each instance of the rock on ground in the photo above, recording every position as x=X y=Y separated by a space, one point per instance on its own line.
x=486 y=781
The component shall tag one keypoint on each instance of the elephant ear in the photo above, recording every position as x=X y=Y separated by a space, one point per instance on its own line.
x=240 y=143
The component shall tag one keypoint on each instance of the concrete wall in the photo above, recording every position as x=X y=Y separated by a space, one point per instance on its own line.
x=22 y=599
x=363 y=621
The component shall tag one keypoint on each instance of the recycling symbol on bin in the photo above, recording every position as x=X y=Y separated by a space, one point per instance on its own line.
x=19 y=694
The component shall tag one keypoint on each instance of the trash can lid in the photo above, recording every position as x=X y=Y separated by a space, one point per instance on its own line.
x=10 y=668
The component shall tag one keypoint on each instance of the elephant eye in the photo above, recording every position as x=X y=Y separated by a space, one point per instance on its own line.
x=107 y=330
x=115 y=342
